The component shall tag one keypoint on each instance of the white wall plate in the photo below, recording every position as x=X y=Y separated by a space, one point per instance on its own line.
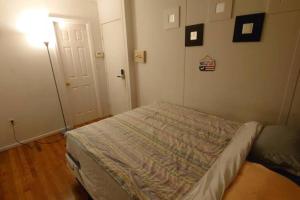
x=220 y=10
x=99 y=54
x=172 y=18
x=139 y=56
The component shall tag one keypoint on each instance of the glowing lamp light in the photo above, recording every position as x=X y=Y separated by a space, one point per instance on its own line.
x=37 y=27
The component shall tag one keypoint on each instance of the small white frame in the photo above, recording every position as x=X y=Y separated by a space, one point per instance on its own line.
x=220 y=16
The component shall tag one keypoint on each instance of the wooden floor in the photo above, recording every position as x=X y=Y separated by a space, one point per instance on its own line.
x=38 y=173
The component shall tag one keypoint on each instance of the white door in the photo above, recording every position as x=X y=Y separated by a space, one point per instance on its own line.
x=77 y=69
x=115 y=61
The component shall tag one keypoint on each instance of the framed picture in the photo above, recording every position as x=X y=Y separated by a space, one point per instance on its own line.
x=172 y=18
x=194 y=35
x=220 y=10
x=248 y=28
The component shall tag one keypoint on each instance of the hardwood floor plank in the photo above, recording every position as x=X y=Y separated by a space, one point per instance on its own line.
x=8 y=183
x=39 y=173
x=18 y=172
x=36 y=177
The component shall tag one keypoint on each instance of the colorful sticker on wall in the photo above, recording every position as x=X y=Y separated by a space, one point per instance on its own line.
x=207 y=64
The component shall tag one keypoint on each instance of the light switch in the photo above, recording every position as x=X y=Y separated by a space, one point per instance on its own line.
x=220 y=8
x=139 y=56
x=172 y=18
x=99 y=54
x=247 y=28
x=194 y=35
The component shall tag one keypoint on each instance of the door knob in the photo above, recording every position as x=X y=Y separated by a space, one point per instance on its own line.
x=122 y=75
x=68 y=84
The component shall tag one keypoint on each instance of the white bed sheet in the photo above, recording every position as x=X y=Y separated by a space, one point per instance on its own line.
x=101 y=186
x=214 y=183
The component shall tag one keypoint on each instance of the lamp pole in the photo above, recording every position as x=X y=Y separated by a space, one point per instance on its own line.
x=56 y=87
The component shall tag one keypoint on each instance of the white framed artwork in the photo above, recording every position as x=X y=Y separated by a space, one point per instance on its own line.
x=220 y=10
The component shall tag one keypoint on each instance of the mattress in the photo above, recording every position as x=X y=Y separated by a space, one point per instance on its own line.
x=93 y=177
x=161 y=151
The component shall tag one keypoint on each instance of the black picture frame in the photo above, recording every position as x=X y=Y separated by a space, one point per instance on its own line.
x=199 y=28
x=258 y=22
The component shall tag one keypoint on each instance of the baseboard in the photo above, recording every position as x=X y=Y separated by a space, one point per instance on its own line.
x=5 y=148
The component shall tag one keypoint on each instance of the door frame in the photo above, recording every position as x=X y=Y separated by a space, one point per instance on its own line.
x=58 y=66
x=126 y=18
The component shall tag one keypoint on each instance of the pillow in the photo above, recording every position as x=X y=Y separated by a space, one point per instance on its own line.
x=278 y=148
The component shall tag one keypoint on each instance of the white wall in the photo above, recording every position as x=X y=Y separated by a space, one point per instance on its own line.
x=250 y=79
x=294 y=119
x=26 y=85
x=294 y=115
x=162 y=76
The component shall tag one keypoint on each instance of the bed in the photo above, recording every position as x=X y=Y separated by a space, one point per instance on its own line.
x=160 y=151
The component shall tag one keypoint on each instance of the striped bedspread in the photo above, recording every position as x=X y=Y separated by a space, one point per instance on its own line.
x=159 y=151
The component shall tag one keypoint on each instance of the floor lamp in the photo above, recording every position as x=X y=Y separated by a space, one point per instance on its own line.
x=56 y=87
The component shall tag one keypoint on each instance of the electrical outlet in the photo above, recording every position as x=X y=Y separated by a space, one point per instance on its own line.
x=140 y=56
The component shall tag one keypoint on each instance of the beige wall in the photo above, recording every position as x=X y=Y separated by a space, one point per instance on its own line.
x=162 y=76
x=26 y=85
x=294 y=119
x=250 y=79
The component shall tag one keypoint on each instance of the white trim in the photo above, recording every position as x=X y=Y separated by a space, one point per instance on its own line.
x=94 y=70
x=110 y=21
x=127 y=29
x=105 y=71
x=126 y=66
x=5 y=148
x=291 y=85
